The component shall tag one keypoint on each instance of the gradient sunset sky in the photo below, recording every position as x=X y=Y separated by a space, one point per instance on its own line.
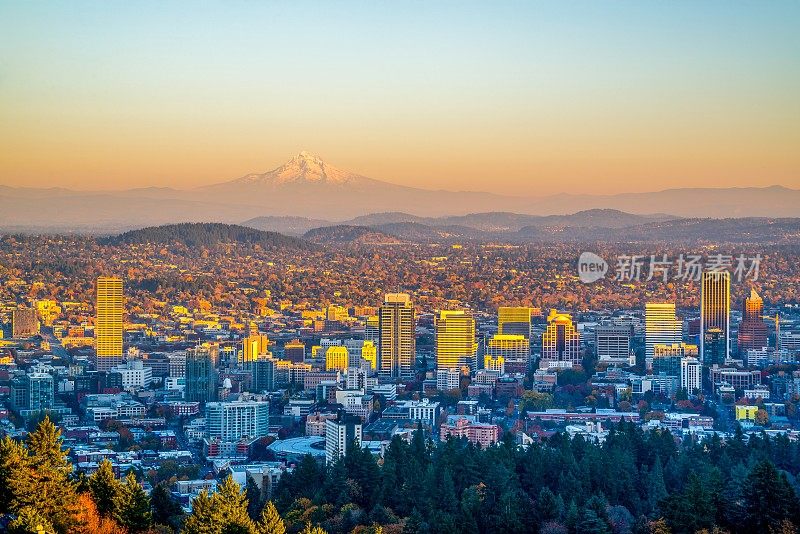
x=513 y=97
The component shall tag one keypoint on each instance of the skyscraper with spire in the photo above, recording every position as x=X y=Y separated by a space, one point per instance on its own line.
x=752 y=329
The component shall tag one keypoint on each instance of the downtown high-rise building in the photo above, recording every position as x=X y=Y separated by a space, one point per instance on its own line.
x=294 y=351
x=109 y=307
x=753 y=332
x=514 y=350
x=715 y=315
x=254 y=347
x=456 y=347
x=232 y=421
x=24 y=322
x=201 y=375
x=514 y=320
x=561 y=342
x=661 y=327
x=397 y=347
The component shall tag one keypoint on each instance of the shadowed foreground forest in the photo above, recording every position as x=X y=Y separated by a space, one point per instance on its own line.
x=634 y=482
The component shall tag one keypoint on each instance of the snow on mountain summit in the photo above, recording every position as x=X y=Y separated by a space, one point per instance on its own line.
x=304 y=167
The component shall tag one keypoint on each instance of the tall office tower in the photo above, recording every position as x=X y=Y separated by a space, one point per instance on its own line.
x=340 y=433
x=336 y=358
x=752 y=329
x=456 y=346
x=253 y=347
x=108 y=323
x=515 y=350
x=715 y=309
x=201 y=375
x=667 y=358
x=561 y=342
x=613 y=344
x=24 y=322
x=232 y=421
x=397 y=346
x=713 y=343
x=372 y=330
x=661 y=327
x=691 y=375
x=514 y=321
x=32 y=393
x=263 y=374
x=294 y=351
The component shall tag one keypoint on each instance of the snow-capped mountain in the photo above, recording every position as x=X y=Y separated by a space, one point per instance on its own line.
x=304 y=167
x=308 y=187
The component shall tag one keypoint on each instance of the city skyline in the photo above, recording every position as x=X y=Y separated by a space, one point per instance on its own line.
x=399 y=268
x=531 y=98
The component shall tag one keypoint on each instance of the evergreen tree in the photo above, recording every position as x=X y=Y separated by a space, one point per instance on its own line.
x=166 y=510
x=42 y=481
x=415 y=524
x=105 y=488
x=203 y=519
x=769 y=498
x=224 y=512
x=30 y=521
x=656 y=488
x=591 y=524
x=254 y=500
x=133 y=506
x=13 y=456
x=547 y=506
x=270 y=522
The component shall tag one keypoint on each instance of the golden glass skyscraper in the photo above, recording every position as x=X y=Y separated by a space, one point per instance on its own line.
x=254 y=347
x=661 y=327
x=514 y=321
x=715 y=309
x=455 y=340
x=561 y=342
x=396 y=323
x=108 y=322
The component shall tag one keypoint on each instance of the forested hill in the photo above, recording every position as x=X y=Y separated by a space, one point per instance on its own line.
x=205 y=234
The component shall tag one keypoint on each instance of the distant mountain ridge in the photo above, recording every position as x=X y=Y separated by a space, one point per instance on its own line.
x=307 y=186
x=205 y=234
x=343 y=233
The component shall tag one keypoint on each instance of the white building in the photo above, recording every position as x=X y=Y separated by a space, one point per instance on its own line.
x=691 y=375
x=423 y=411
x=613 y=344
x=231 y=421
x=447 y=379
x=135 y=375
x=339 y=434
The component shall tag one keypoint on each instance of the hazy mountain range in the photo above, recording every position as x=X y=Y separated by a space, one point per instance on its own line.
x=570 y=229
x=307 y=192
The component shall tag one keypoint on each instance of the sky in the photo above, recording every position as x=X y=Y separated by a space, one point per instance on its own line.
x=510 y=97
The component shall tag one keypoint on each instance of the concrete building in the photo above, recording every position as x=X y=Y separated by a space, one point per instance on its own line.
x=341 y=433
x=396 y=351
x=232 y=421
